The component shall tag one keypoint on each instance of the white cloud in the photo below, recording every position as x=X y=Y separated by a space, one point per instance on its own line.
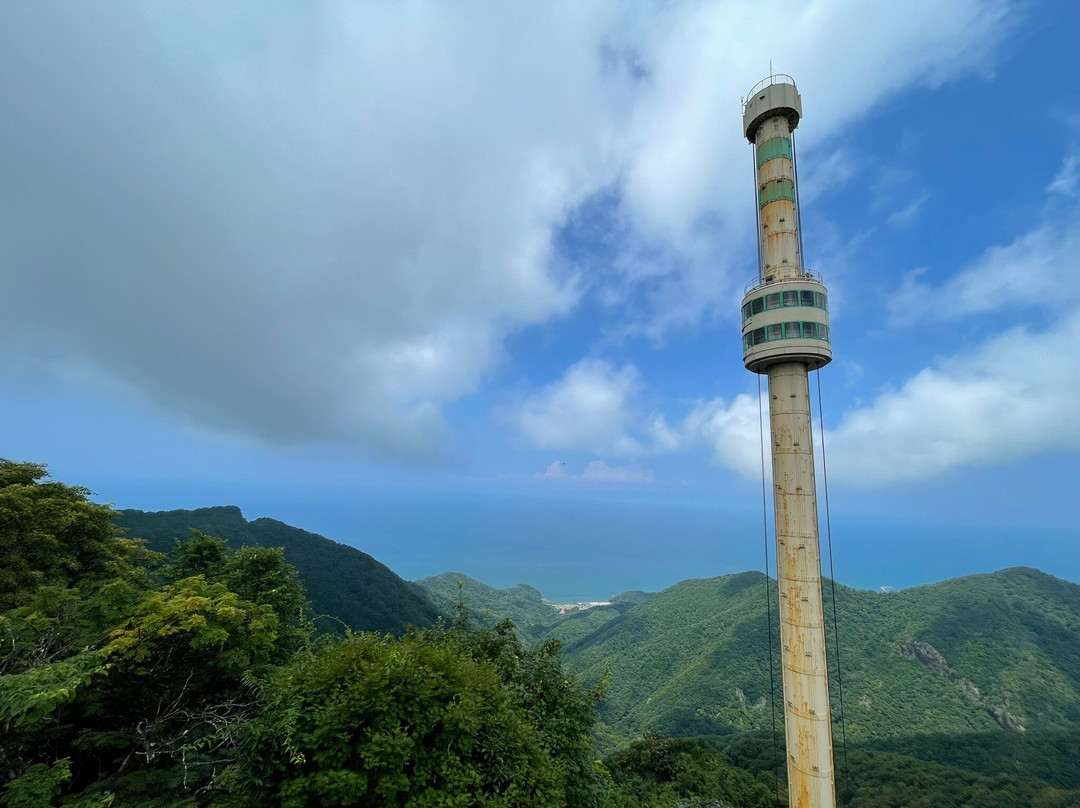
x=307 y=227
x=556 y=471
x=906 y=215
x=600 y=472
x=826 y=173
x=688 y=179
x=1067 y=180
x=592 y=408
x=1038 y=268
x=597 y=472
x=322 y=226
x=585 y=410
x=1013 y=397
x=732 y=430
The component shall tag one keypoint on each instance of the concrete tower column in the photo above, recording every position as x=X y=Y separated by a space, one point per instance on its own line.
x=785 y=335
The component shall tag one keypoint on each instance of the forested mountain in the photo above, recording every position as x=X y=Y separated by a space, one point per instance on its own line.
x=535 y=618
x=958 y=693
x=984 y=653
x=522 y=604
x=195 y=678
x=341 y=581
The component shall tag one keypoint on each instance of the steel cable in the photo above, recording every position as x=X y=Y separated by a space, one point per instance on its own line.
x=768 y=594
x=832 y=579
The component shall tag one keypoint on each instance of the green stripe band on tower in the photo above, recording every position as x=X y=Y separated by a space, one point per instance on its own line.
x=775 y=190
x=773 y=148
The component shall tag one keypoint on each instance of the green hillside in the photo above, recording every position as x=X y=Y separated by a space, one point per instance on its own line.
x=534 y=618
x=487 y=605
x=980 y=654
x=574 y=626
x=340 y=580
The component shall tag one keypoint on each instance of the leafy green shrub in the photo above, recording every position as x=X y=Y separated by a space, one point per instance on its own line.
x=416 y=722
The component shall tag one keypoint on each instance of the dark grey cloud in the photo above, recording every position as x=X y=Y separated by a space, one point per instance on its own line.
x=302 y=225
x=319 y=222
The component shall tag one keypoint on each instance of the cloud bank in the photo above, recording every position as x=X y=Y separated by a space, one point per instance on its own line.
x=322 y=225
x=1009 y=397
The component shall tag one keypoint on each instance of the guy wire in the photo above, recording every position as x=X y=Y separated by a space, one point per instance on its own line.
x=764 y=505
x=832 y=578
x=768 y=594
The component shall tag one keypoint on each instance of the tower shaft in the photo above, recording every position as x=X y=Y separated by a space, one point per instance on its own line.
x=807 y=719
x=785 y=335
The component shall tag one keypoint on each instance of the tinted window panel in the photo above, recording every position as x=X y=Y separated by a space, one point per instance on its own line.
x=757 y=305
x=775 y=331
x=791 y=298
x=746 y=311
x=807 y=297
x=809 y=329
x=759 y=336
x=824 y=332
x=791 y=330
x=772 y=301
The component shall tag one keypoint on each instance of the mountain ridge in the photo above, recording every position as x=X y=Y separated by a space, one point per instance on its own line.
x=986 y=652
x=342 y=582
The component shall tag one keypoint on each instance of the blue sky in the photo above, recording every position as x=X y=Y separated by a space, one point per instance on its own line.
x=459 y=284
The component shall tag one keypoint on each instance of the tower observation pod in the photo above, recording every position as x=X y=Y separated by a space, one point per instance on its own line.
x=785 y=333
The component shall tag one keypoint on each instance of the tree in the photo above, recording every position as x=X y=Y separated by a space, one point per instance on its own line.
x=122 y=677
x=438 y=718
x=51 y=535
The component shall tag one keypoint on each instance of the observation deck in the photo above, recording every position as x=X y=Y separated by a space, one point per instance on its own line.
x=769 y=98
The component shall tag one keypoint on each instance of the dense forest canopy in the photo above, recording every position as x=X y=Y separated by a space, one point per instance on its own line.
x=130 y=677
x=194 y=675
x=343 y=584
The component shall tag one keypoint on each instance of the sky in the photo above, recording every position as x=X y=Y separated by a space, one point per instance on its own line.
x=458 y=284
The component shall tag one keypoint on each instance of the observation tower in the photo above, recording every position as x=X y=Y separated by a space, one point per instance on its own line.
x=785 y=333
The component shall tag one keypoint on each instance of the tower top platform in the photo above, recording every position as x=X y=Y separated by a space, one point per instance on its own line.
x=770 y=97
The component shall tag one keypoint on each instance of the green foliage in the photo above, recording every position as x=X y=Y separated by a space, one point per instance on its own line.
x=255 y=574
x=876 y=778
x=880 y=780
x=536 y=620
x=438 y=718
x=574 y=626
x=343 y=584
x=659 y=771
x=631 y=598
x=51 y=534
x=1048 y=755
x=982 y=654
x=200 y=554
x=521 y=604
x=37 y=785
x=129 y=678
x=122 y=683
